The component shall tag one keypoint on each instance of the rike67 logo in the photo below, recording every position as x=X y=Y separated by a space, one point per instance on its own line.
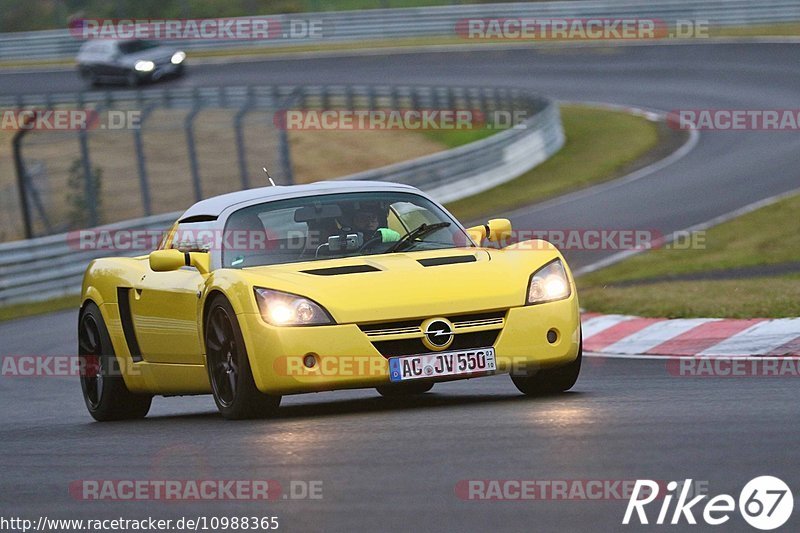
x=765 y=503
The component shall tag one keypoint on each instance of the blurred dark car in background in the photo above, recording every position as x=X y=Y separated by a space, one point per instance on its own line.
x=131 y=62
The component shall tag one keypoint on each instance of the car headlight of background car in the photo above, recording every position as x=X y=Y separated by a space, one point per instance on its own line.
x=178 y=57
x=144 y=66
x=548 y=284
x=284 y=309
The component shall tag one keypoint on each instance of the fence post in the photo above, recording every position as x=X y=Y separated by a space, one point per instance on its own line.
x=22 y=182
x=144 y=182
x=89 y=185
x=436 y=98
x=241 y=154
x=188 y=126
x=285 y=155
x=284 y=151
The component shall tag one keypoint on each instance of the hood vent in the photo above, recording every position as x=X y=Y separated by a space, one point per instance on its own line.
x=335 y=271
x=450 y=260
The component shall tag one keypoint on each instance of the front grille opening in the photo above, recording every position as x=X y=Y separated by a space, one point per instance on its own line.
x=477 y=316
x=368 y=328
x=462 y=341
x=486 y=315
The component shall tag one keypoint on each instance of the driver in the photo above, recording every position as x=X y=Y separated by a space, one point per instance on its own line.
x=368 y=220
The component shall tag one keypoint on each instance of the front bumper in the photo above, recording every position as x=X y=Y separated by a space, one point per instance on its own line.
x=347 y=358
x=161 y=70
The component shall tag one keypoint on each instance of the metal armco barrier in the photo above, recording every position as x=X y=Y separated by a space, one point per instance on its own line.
x=51 y=266
x=378 y=24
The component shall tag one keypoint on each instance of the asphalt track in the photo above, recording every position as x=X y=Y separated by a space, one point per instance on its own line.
x=389 y=465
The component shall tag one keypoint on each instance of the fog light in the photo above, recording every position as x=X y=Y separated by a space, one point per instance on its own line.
x=310 y=360
x=552 y=336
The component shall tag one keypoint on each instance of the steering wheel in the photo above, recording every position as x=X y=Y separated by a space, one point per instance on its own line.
x=376 y=238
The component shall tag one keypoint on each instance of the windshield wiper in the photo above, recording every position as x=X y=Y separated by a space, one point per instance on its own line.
x=418 y=233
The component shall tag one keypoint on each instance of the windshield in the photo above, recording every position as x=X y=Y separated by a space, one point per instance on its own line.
x=337 y=225
x=132 y=47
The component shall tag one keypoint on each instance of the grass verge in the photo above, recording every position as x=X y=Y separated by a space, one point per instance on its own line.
x=39 y=308
x=601 y=145
x=767 y=297
x=767 y=236
x=590 y=157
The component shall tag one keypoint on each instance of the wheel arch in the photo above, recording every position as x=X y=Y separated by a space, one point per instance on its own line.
x=210 y=297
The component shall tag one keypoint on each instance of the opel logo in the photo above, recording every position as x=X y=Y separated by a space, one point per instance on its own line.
x=438 y=333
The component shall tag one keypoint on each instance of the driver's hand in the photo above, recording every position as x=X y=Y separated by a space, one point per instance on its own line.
x=388 y=235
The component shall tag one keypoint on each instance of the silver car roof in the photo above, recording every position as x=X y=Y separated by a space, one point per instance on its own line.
x=217 y=205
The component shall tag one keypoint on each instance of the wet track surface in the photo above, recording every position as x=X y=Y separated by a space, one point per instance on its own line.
x=394 y=465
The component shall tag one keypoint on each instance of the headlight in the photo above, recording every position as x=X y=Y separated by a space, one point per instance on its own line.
x=549 y=283
x=178 y=57
x=144 y=66
x=284 y=309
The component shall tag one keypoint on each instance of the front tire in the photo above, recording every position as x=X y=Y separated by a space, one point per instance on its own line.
x=88 y=75
x=229 y=372
x=104 y=390
x=550 y=380
x=400 y=390
x=132 y=80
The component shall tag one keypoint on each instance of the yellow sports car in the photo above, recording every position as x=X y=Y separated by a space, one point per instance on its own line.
x=334 y=285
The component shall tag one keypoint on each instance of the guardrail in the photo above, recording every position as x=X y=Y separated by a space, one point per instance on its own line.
x=46 y=212
x=378 y=24
x=51 y=266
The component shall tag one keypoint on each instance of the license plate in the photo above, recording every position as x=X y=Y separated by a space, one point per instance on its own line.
x=433 y=365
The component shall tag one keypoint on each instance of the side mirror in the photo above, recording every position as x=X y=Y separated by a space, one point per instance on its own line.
x=169 y=260
x=477 y=233
x=499 y=229
x=495 y=230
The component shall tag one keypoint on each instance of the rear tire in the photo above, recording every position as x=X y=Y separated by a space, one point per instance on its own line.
x=400 y=390
x=104 y=390
x=229 y=372
x=550 y=380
